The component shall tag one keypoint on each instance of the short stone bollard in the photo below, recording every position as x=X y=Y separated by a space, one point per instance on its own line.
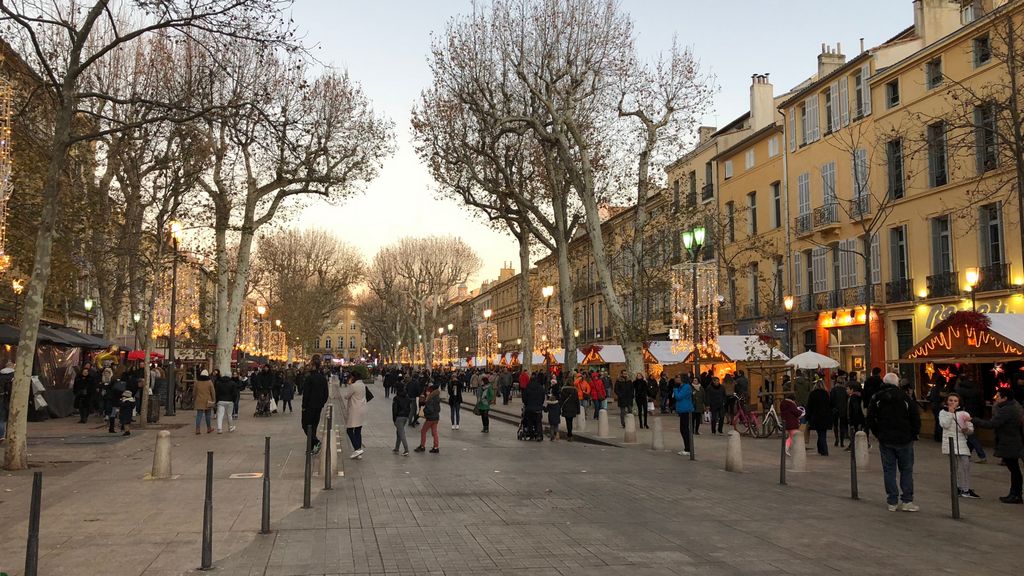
x=581 y=420
x=734 y=453
x=798 y=451
x=630 y=436
x=602 y=424
x=162 y=456
x=657 y=435
x=860 y=448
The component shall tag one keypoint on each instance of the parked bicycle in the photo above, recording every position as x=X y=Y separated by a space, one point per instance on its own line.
x=749 y=422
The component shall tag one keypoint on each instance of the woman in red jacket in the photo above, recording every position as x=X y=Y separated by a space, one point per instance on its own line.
x=597 y=393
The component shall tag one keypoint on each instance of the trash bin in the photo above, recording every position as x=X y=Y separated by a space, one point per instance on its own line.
x=153 y=410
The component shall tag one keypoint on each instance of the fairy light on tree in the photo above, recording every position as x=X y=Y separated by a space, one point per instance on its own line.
x=6 y=185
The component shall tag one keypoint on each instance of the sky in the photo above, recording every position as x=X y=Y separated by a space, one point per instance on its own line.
x=384 y=45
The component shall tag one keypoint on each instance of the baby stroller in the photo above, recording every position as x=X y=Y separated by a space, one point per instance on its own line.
x=263 y=402
x=530 y=427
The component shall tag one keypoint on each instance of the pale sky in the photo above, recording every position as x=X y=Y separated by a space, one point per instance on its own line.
x=384 y=45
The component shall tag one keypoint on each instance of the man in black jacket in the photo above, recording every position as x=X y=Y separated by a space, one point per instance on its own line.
x=624 y=396
x=533 y=403
x=896 y=421
x=313 y=400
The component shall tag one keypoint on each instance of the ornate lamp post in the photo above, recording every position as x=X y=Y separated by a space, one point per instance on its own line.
x=971 y=275
x=693 y=241
x=87 y=304
x=261 y=311
x=787 y=303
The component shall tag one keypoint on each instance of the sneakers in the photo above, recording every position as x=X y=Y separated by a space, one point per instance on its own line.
x=457 y=426
x=1011 y=500
x=683 y=453
x=232 y=428
x=968 y=494
x=395 y=451
x=316 y=448
x=434 y=450
x=420 y=449
x=454 y=426
x=406 y=453
x=357 y=454
x=909 y=507
x=893 y=507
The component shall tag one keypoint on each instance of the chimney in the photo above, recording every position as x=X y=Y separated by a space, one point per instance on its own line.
x=507 y=271
x=463 y=290
x=705 y=132
x=830 y=60
x=935 y=19
x=762 y=102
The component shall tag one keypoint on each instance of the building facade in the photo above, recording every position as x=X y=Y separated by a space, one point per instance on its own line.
x=345 y=340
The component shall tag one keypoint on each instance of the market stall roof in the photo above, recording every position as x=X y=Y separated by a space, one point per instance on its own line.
x=602 y=354
x=559 y=356
x=663 y=352
x=737 y=348
x=963 y=341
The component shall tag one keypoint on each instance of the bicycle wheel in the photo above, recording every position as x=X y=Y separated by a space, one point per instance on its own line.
x=769 y=427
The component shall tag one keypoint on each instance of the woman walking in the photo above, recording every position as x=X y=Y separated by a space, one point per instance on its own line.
x=683 y=396
x=484 y=398
x=570 y=407
x=819 y=415
x=400 y=408
x=1009 y=444
x=698 y=406
x=353 y=395
x=205 y=399
x=455 y=400
x=640 y=397
x=431 y=415
x=790 y=413
x=956 y=426
x=714 y=397
x=287 y=395
x=225 y=392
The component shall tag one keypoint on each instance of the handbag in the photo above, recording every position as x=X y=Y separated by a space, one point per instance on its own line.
x=369 y=395
x=650 y=407
x=273 y=405
x=476 y=410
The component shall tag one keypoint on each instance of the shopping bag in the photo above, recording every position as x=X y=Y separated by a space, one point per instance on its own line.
x=707 y=416
x=650 y=407
x=273 y=406
x=39 y=401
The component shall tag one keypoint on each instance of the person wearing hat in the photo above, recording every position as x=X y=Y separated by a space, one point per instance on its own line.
x=894 y=418
x=126 y=412
x=205 y=398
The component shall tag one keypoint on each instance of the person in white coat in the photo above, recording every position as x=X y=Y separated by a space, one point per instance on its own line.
x=956 y=424
x=353 y=397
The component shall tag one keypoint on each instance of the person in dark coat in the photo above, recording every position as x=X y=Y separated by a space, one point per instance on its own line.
x=400 y=408
x=819 y=416
x=894 y=418
x=554 y=409
x=665 y=393
x=1006 y=421
x=714 y=397
x=640 y=396
x=455 y=401
x=414 y=389
x=855 y=408
x=840 y=399
x=569 y=404
x=624 y=397
x=313 y=399
x=83 y=394
x=790 y=413
x=287 y=395
x=533 y=403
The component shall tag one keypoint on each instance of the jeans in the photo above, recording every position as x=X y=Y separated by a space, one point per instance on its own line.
x=1013 y=465
x=456 y=409
x=485 y=418
x=685 y=418
x=598 y=406
x=666 y=403
x=963 y=472
x=974 y=444
x=898 y=458
x=568 y=426
x=623 y=410
x=400 y=424
x=234 y=408
x=430 y=425
x=355 y=436
x=288 y=404
x=199 y=416
x=641 y=412
x=717 y=419
x=222 y=409
x=823 y=442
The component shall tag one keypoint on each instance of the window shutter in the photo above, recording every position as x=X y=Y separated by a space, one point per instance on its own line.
x=844 y=265
x=833 y=107
x=792 y=129
x=812 y=130
x=876 y=259
x=798 y=273
x=979 y=139
x=818 y=272
x=865 y=71
x=984 y=236
x=804 y=193
x=844 y=101
x=828 y=183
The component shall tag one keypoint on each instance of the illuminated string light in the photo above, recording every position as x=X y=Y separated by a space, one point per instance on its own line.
x=707 y=308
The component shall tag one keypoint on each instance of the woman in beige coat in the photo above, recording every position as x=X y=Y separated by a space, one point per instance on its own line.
x=204 y=400
x=353 y=395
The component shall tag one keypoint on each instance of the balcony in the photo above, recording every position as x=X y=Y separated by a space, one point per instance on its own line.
x=585 y=289
x=994 y=277
x=726 y=313
x=749 y=311
x=805 y=303
x=943 y=284
x=707 y=192
x=826 y=216
x=827 y=300
x=857 y=295
x=860 y=208
x=803 y=224
x=899 y=291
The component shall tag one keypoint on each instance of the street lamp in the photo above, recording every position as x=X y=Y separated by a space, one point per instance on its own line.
x=261 y=310
x=136 y=318
x=972 y=275
x=87 y=303
x=175 y=228
x=451 y=327
x=787 y=303
x=693 y=241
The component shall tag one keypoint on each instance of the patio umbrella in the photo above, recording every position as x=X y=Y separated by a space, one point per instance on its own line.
x=812 y=361
x=141 y=355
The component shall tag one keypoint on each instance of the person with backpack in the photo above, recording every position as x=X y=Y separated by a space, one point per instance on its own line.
x=1009 y=426
x=896 y=421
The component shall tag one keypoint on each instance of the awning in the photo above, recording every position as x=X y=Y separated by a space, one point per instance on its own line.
x=602 y=354
x=736 y=348
x=662 y=352
x=963 y=337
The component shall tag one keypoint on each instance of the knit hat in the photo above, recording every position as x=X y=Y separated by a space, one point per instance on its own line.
x=891 y=378
x=204 y=373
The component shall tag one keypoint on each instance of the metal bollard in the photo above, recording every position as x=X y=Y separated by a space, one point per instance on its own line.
x=330 y=448
x=309 y=467
x=782 y=458
x=32 y=549
x=854 y=494
x=265 y=520
x=208 y=516
x=954 y=494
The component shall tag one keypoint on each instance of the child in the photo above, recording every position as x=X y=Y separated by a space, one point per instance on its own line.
x=554 y=410
x=127 y=409
x=956 y=424
x=790 y=419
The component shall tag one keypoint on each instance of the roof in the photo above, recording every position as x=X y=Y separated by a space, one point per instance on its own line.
x=773 y=127
x=849 y=65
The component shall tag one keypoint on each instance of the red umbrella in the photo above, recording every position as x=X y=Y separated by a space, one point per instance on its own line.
x=141 y=355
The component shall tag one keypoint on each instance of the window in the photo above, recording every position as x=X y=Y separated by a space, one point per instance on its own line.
x=352 y=343
x=752 y=204
x=982 y=50
x=776 y=205
x=990 y=234
x=933 y=73
x=849 y=277
x=730 y=224
x=862 y=92
x=792 y=129
x=778 y=279
x=675 y=195
x=838 y=265
x=755 y=300
x=798 y=275
x=898 y=253
x=829 y=116
x=709 y=177
x=317 y=344
x=874 y=248
x=860 y=174
x=803 y=125
x=819 y=274
x=352 y=327
x=942 y=246
x=985 y=138
x=327 y=343
x=748 y=159
x=892 y=94
x=828 y=183
x=970 y=12
x=894 y=162
x=809 y=115
x=691 y=196
x=803 y=185
x=844 y=101
x=728 y=169
x=810 y=341
x=937 y=174
x=773 y=146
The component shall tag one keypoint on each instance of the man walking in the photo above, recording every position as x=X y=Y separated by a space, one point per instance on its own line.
x=896 y=421
x=313 y=400
x=624 y=397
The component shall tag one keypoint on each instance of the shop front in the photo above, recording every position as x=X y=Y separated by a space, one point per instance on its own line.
x=844 y=335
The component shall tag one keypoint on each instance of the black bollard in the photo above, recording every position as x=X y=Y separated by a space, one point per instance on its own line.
x=265 y=521
x=954 y=494
x=32 y=549
x=782 y=459
x=208 y=516
x=853 y=471
x=693 y=445
x=309 y=467
x=329 y=455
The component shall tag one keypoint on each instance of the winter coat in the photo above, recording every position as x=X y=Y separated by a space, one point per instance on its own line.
x=840 y=398
x=597 y=389
x=790 y=414
x=554 y=409
x=819 y=410
x=664 y=388
x=533 y=396
x=742 y=387
x=224 y=390
x=204 y=394
x=958 y=428
x=569 y=401
x=698 y=398
x=287 y=390
x=801 y=390
x=582 y=388
x=432 y=406
x=454 y=391
x=485 y=395
x=314 y=396
x=640 y=390
x=6 y=380
x=353 y=398
x=855 y=406
x=893 y=417
x=400 y=406
x=683 y=396
x=1007 y=424
x=714 y=396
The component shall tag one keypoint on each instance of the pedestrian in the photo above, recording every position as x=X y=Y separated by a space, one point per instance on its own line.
x=896 y=421
x=624 y=397
x=714 y=397
x=1006 y=421
x=205 y=398
x=872 y=385
x=224 y=390
x=553 y=407
x=353 y=398
x=582 y=392
x=742 y=387
x=82 y=391
x=855 y=410
x=505 y=385
x=431 y=415
x=937 y=400
x=801 y=389
x=126 y=411
x=484 y=398
x=455 y=401
x=314 y=396
x=414 y=389
x=819 y=415
x=287 y=395
x=640 y=397
x=683 y=397
x=569 y=400
x=790 y=413
x=400 y=408
x=698 y=405
x=6 y=382
x=840 y=399
x=956 y=426
x=533 y=406
x=598 y=393
x=665 y=387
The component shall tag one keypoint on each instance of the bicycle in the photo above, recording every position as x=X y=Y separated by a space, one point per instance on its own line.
x=752 y=424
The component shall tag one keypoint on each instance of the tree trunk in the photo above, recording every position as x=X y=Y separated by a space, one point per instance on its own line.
x=17 y=427
x=565 y=300
x=525 y=299
x=225 y=334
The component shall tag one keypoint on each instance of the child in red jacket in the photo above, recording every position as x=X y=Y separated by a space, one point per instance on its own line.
x=790 y=419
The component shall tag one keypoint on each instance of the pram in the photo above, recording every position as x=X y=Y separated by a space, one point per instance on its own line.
x=530 y=426
x=263 y=402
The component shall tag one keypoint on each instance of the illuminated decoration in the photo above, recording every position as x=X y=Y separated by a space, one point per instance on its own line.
x=592 y=355
x=929 y=369
x=844 y=318
x=997 y=370
x=547 y=331
x=6 y=183
x=486 y=340
x=446 y=348
x=190 y=296
x=418 y=354
x=707 y=308
x=953 y=340
x=403 y=355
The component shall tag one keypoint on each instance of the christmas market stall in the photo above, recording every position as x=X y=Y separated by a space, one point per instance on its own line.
x=758 y=356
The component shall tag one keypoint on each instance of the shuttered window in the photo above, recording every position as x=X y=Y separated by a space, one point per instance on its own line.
x=865 y=72
x=876 y=259
x=828 y=183
x=798 y=273
x=819 y=269
x=803 y=184
x=792 y=129
x=844 y=101
x=860 y=173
